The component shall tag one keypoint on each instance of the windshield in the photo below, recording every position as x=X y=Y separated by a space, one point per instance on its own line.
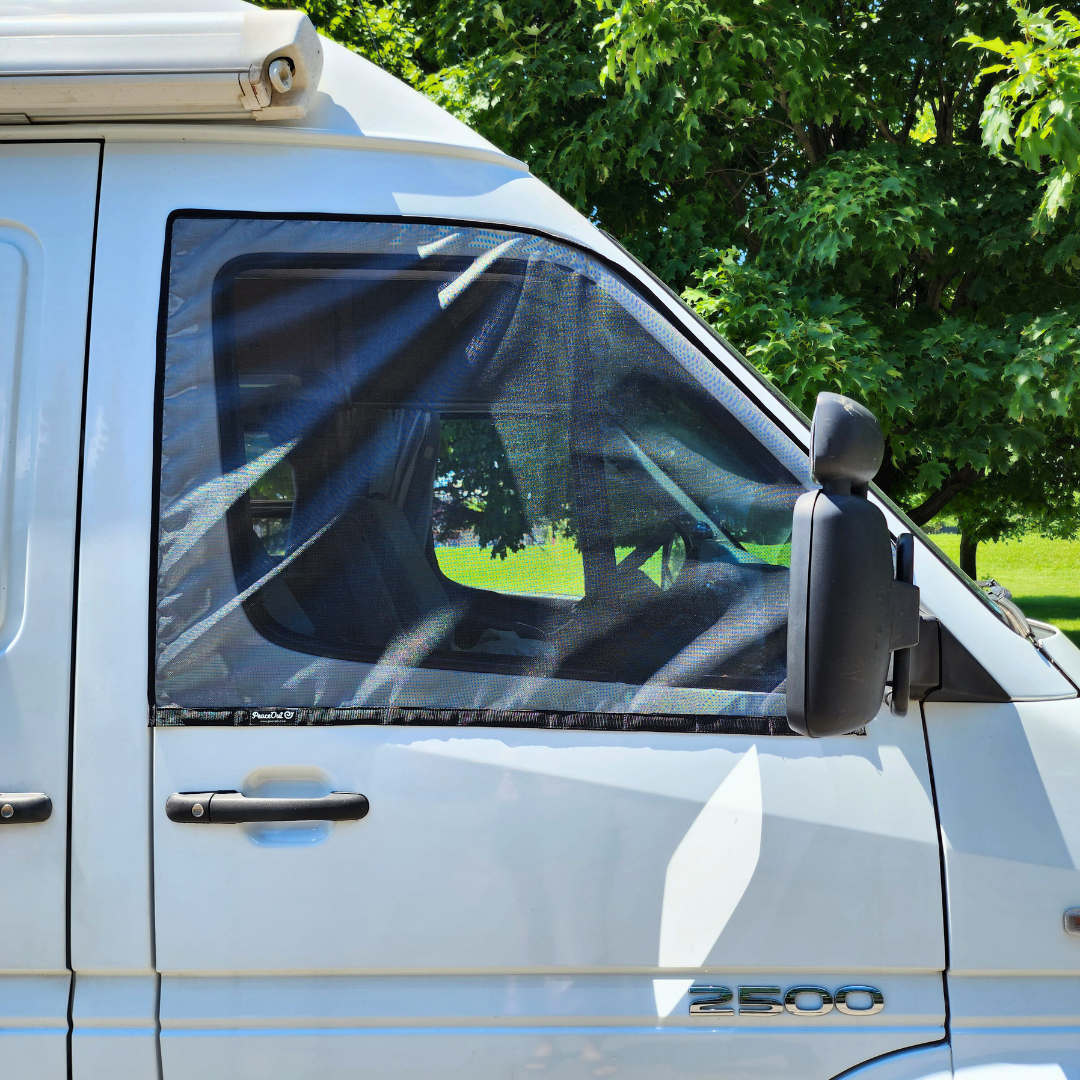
x=998 y=610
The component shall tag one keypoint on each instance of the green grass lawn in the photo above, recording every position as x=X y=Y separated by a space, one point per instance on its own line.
x=552 y=569
x=1043 y=575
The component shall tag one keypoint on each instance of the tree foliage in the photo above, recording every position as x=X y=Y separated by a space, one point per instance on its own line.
x=1035 y=107
x=812 y=176
x=475 y=491
x=384 y=33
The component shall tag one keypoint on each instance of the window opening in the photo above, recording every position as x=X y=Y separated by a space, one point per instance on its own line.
x=455 y=468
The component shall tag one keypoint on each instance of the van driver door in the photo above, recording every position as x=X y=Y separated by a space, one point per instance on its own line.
x=470 y=750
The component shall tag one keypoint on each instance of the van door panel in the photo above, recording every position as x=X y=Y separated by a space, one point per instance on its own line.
x=516 y=901
x=1008 y=787
x=502 y=1026
x=499 y=873
x=347 y=408
x=47 y=206
x=536 y=849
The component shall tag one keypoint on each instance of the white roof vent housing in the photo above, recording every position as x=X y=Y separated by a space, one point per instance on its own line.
x=101 y=60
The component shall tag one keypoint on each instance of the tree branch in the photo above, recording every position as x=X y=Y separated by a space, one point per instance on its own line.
x=954 y=484
x=753 y=243
x=883 y=128
x=960 y=297
x=800 y=131
x=935 y=287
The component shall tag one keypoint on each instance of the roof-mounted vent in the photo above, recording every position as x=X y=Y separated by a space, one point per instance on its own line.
x=214 y=65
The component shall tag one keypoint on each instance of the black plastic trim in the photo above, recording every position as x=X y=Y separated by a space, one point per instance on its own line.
x=963 y=678
x=286 y=716
x=235 y=808
x=925 y=660
x=943 y=670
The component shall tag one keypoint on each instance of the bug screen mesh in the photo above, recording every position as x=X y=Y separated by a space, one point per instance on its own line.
x=424 y=467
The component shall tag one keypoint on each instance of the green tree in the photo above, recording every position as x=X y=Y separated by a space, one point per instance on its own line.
x=384 y=33
x=475 y=490
x=1034 y=105
x=812 y=176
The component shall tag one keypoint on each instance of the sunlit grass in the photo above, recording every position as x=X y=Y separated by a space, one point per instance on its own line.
x=551 y=569
x=554 y=568
x=1043 y=575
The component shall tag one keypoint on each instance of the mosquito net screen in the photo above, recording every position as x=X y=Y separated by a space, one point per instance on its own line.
x=418 y=473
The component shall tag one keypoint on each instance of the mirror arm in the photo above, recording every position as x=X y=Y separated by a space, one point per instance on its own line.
x=905 y=624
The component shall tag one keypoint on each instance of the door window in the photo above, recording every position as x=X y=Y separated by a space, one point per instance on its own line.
x=440 y=474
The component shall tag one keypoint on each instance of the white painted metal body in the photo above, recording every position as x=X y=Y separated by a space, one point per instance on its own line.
x=46 y=231
x=516 y=902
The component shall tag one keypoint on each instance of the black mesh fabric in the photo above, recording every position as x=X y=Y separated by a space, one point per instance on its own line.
x=460 y=472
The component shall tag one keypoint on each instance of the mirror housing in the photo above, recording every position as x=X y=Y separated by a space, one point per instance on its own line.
x=848 y=614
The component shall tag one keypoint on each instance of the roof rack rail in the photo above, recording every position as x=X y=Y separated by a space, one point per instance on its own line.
x=101 y=64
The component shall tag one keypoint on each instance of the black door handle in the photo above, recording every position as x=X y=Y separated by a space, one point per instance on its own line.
x=232 y=808
x=16 y=809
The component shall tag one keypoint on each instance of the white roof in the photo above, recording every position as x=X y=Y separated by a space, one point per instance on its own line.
x=358 y=97
x=148 y=60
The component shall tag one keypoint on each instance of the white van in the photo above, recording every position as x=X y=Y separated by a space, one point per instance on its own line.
x=395 y=675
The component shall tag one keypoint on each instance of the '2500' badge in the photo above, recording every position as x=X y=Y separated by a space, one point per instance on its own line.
x=799 y=1000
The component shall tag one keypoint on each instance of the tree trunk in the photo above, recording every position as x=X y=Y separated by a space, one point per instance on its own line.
x=967 y=555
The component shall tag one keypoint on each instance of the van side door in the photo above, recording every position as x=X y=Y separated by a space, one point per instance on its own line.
x=422 y=808
x=48 y=194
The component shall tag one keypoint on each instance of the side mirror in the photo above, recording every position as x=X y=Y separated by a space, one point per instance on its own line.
x=847 y=611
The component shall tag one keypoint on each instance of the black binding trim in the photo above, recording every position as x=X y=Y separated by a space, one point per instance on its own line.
x=285 y=716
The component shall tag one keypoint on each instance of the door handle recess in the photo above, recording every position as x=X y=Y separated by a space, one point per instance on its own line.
x=233 y=808
x=26 y=806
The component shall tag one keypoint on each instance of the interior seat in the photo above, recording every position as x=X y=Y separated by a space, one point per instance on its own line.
x=413 y=586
